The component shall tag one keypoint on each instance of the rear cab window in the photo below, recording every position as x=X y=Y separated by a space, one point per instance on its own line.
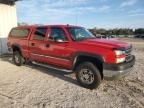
x=20 y=32
x=40 y=34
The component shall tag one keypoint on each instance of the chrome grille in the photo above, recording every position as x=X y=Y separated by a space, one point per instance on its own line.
x=128 y=54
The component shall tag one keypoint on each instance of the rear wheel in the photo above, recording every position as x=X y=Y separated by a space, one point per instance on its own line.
x=88 y=75
x=17 y=58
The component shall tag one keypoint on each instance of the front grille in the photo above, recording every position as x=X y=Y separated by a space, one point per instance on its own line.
x=128 y=54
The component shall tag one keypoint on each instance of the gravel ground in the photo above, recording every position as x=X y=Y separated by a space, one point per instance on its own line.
x=31 y=86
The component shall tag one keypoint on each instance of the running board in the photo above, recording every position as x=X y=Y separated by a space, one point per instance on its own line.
x=48 y=66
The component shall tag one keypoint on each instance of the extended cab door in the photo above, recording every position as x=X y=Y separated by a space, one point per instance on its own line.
x=37 y=44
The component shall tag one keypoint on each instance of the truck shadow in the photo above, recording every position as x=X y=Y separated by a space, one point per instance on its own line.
x=69 y=77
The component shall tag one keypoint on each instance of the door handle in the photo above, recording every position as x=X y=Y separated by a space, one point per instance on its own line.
x=32 y=44
x=47 y=45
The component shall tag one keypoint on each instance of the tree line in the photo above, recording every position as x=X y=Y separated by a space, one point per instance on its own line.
x=116 y=31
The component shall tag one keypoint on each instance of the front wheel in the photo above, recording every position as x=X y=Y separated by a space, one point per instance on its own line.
x=88 y=75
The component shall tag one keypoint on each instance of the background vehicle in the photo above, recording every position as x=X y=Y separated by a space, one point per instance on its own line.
x=139 y=36
x=71 y=49
x=105 y=37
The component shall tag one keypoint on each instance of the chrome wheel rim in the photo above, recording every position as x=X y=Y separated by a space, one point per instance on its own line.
x=86 y=76
x=16 y=59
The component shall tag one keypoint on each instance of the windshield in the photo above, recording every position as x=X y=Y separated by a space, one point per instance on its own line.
x=79 y=33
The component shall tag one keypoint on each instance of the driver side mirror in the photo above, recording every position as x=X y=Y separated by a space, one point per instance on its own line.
x=56 y=39
x=59 y=40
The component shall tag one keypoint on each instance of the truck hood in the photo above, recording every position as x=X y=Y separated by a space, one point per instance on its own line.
x=110 y=43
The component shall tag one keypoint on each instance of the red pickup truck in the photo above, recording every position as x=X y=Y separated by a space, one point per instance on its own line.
x=72 y=49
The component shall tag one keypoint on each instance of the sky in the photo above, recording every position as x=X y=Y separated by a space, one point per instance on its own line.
x=88 y=13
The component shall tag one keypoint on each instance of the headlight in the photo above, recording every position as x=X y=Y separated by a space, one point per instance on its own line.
x=119 y=52
x=120 y=56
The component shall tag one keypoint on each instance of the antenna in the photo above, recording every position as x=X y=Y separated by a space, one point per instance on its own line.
x=76 y=18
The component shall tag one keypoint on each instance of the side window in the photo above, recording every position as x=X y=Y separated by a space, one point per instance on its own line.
x=57 y=33
x=40 y=34
x=20 y=32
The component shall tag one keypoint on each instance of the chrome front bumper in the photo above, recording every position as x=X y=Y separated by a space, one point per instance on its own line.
x=117 y=71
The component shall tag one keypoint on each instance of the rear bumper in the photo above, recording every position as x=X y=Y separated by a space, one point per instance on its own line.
x=117 y=71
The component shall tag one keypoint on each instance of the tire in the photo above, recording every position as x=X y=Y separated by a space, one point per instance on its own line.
x=17 y=58
x=88 y=75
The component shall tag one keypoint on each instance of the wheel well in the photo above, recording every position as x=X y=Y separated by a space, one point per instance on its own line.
x=16 y=48
x=95 y=61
